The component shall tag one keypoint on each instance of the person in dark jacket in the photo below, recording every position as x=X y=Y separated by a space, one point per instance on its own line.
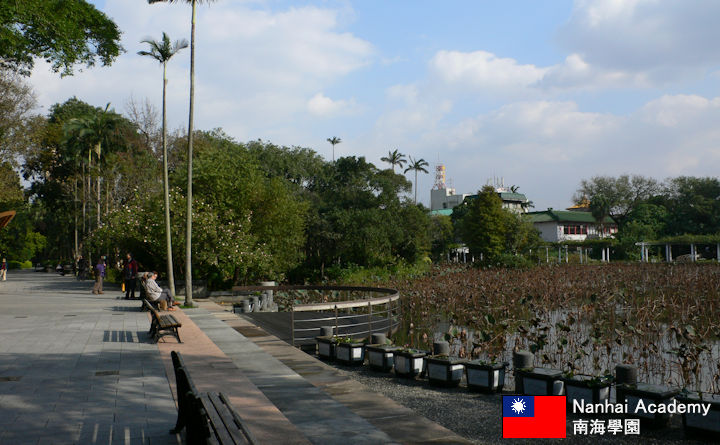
x=130 y=271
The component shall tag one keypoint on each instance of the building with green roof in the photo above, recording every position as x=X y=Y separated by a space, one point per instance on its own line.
x=568 y=225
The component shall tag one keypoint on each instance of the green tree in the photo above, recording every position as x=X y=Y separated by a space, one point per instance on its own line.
x=358 y=218
x=645 y=223
x=520 y=233
x=442 y=236
x=189 y=191
x=96 y=130
x=17 y=124
x=600 y=209
x=483 y=227
x=622 y=194
x=334 y=141
x=10 y=189
x=63 y=33
x=417 y=165
x=394 y=158
x=163 y=51
x=693 y=206
x=273 y=214
x=54 y=167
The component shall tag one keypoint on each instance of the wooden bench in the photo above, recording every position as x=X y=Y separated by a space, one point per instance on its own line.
x=148 y=305
x=162 y=324
x=208 y=418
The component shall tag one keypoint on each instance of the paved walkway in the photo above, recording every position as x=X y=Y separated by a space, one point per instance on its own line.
x=77 y=368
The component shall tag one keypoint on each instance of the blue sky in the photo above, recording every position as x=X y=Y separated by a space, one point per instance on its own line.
x=542 y=94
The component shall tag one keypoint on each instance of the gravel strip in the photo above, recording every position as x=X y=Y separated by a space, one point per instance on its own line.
x=477 y=417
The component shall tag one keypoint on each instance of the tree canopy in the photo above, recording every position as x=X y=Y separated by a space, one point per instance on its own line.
x=63 y=33
x=619 y=196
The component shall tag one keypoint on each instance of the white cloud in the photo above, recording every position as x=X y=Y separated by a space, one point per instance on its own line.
x=405 y=93
x=575 y=72
x=677 y=110
x=321 y=105
x=484 y=70
x=546 y=147
x=255 y=67
x=665 y=40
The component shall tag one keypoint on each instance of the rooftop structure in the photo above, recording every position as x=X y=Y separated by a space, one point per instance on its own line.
x=570 y=225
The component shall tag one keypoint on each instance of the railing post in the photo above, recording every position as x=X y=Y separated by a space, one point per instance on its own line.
x=389 y=316
x=292 y=324
x=337 y=330
x=370 y=318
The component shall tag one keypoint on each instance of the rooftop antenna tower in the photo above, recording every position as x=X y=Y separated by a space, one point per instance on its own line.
x=439 y=177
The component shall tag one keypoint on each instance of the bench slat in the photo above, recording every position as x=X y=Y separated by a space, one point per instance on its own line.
x=231 y=422
x=217 y=424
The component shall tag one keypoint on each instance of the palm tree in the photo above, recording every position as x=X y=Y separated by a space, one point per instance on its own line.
x=334 y=141
x=163 y=51
x=419 y=166
x=188 y=232
x=96 y=130
x=394 y=158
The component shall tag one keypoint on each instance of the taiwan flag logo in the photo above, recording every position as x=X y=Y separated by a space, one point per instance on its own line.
x=534 y=417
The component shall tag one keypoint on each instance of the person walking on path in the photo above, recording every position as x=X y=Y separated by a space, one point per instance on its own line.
x=130 y=276
x=99 y=276
x=3 y=269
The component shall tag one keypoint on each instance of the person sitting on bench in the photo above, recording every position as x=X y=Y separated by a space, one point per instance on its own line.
x=156 y=293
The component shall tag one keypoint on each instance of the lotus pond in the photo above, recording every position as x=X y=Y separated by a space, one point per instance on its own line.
x=664 y=318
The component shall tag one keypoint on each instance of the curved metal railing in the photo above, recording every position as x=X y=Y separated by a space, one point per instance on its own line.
x=357 y=318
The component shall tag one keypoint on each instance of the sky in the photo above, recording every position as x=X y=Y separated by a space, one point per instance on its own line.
x=540 y=94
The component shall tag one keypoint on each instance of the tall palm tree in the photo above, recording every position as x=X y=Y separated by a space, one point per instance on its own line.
x=163 y=51
x=394 y=158
x=188 y=231
x=419 y=166
x=334 y=141
x=96 y=130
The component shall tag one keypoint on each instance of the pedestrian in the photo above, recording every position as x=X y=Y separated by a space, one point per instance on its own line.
x=99 y=276
x=82 y=268
x=130 y=275
x=3 y=269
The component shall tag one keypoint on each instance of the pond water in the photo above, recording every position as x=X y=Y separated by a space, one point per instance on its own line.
x=659 y=357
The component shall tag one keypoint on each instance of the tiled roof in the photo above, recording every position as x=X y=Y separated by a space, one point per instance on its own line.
x=508 y=196
x=446 y=212
x=566 y=216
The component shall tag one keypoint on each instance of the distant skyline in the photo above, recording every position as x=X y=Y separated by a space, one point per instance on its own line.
x=542 y=94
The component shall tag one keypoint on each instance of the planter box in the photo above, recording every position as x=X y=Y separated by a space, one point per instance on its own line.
x=350 y=353
x=326 y=347
x=697 y=424
x=655 y=394
x=539 y=382
x=380 y=357
x=485 y=377
x=408 y=363
x=445 y=371
x=587 y=388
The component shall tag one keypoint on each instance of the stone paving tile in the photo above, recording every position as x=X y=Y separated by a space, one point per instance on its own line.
x=78 y=384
